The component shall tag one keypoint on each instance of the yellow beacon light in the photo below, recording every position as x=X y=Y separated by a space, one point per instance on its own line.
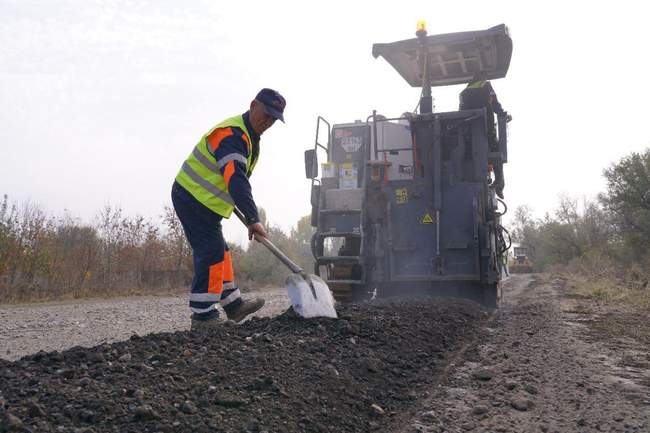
x=422 y=29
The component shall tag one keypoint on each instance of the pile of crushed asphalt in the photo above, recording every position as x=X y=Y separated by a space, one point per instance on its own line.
x=284 y=374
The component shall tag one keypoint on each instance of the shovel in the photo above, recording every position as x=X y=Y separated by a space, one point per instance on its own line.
x=309 y=294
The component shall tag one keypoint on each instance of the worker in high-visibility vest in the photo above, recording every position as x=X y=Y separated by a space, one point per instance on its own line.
x=480 y=94
x=212 y=180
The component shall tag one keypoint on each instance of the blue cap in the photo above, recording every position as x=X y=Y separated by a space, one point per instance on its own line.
x=273 y=103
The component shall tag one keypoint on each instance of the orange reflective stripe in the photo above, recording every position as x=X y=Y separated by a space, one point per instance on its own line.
x=246 y=139
x=229 y=171
x=215 y=279
x=228 y=272
x=214 y=139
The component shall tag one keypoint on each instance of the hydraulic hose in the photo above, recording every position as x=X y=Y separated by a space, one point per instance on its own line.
x=505 y=207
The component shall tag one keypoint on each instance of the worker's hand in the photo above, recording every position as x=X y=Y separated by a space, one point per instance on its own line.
x=256 y=229
x=508 y=117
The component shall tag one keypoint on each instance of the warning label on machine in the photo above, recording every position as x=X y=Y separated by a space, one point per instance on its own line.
x=426 y=219
x=401 y=195
x=350 y=139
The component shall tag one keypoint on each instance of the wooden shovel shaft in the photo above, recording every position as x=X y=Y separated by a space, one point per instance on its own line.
x=275 y=250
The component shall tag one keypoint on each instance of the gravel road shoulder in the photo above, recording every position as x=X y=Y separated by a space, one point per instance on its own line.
x=29 y=328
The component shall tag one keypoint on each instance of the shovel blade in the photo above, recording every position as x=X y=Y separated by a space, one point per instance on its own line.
x=303 y=300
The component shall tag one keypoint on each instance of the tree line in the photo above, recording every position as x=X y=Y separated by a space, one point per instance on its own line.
x=607 y=236
x=48 y=257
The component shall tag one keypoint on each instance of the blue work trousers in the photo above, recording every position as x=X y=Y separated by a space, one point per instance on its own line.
x=214 y=279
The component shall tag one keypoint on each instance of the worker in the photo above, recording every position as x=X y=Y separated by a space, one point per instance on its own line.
x=480 y=94
x=212 y=180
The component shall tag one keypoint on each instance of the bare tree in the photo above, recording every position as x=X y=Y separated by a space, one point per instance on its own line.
x=9 y=250
x=177 y=250
x=109 y=227
x=34 y=226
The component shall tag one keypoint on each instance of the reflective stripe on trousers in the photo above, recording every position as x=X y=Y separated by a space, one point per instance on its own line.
x=213 y=297
x=232 y=297
x=203 y=310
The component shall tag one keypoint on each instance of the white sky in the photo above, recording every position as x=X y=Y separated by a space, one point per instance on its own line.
x=101 y=101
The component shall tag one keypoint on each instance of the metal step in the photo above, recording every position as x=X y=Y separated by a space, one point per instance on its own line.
x=332 y=259
x=338 y=211
x=345 y=282
x=338 y=234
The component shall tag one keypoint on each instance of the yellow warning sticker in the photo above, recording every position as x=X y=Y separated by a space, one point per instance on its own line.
x=426 y=219
x=401 y=195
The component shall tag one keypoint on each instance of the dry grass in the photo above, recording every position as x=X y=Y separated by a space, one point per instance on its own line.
x=623 y=311
x=610 y=290
x=605 y=281
x=13 y=297
x=26 y=295
x=615 y=303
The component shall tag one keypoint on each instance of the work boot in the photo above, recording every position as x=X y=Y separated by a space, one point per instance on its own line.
x=246 y=307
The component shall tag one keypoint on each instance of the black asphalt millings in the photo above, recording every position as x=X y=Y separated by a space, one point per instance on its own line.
x=284 y=374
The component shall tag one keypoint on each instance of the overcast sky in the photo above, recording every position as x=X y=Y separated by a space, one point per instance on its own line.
x=101 y=101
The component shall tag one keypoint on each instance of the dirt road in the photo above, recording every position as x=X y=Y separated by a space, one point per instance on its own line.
x=546 y=361
x=544 y=364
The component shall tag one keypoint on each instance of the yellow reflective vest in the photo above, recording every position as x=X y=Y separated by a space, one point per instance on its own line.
x=201 y=176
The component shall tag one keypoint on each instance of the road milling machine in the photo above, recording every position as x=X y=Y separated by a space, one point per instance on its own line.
x=407 y=205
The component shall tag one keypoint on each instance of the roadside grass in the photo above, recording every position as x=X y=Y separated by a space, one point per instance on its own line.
x=610 y=290
x=600 y=279
x=29 y=295
x=617 y=300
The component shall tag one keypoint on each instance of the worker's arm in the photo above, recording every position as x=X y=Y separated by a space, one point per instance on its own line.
x=230 y=151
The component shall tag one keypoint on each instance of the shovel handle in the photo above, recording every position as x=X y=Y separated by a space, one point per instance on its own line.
x=275 y=250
